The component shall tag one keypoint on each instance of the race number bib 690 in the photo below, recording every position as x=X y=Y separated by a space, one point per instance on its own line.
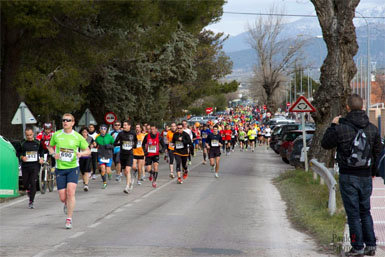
x=127 y=145
x=66 y=154
x=214 y=143
x=31 y=156
x=178 y=145
x=152 y=148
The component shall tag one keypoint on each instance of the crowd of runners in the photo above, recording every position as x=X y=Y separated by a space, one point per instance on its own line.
x=134 y=150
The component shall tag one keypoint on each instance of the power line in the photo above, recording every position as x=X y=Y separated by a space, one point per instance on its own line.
x=295 y=15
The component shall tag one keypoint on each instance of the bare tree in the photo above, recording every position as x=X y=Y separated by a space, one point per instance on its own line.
x=275 y=54
x=338 y=69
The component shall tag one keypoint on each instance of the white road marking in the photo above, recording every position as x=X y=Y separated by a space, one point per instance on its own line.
x=77 y=234
x=94 y=225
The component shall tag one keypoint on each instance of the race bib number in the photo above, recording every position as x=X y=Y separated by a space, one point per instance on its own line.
x=178 y=145
x=214 y=143
x=94 y=150
x=31 y=156
x=127 y=145
x=66 y=154
x=171 y=145
x=104 y=160
x=139 y=144
x=204 y=135
x=152 y=148
x=232 y=136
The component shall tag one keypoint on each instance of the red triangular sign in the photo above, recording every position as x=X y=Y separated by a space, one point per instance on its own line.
x=302 y=105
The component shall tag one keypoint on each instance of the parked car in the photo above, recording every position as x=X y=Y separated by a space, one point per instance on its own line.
x=276 y=139
x=295 y=149
x=287 y=141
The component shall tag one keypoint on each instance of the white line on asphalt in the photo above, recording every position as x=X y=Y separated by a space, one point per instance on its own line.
x=77 y=234
x=94 y=225
x=137 y=200
x=378 y=188
x=44 y=252
x=128 y=205
x=109 y=216
x=379 y=222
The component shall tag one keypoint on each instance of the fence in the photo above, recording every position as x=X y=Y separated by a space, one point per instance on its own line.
x=326 y=177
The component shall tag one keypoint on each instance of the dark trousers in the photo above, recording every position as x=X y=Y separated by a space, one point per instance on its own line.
x=29 y=174
x=94 y=160
x=180 y=160
x=355 y=193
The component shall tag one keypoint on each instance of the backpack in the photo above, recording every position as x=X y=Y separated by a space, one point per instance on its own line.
x=360 y=154
x=381 y=164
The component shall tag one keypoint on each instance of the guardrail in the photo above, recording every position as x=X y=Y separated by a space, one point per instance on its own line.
x=328 y=178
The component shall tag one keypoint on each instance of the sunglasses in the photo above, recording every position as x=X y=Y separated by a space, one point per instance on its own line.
x=117 y=125
x=180 y=128
x=103 y=128
x=66 y=120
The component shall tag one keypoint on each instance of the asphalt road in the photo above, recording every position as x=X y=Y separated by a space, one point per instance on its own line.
x=239 y=214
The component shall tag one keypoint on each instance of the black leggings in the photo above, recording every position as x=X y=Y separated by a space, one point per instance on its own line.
x=94 y=162
x=29 y=175
x=180 y=160
x=171 y=156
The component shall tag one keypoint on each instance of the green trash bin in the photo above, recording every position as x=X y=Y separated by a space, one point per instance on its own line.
x=9 y=170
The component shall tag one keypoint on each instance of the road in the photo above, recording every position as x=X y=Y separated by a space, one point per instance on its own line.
x=239 y=214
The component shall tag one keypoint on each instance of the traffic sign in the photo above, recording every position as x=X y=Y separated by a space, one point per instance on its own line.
x=268 y=114
x=302 y=105
x=209 y=110
x=110 y=117
x=23 y=113
x=288 y=104
x=87 y=118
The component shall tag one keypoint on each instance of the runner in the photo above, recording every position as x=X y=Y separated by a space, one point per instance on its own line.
x=116 y=157
x=127 y=141
x=228 y=138
x=151 y=145
x=214 y=142
x=234 y=137
x=242 y=138
x=181 y=140
x=189 y=132
x=67 y=142
x=197 y=136
x=139 y=154
x=94 y=150
x=31 y=155
x=252 y=134
x=205 y=132
x=171 y=148
x=268 y=135
x=105 y=144
x=165 y=140
x=85 y=161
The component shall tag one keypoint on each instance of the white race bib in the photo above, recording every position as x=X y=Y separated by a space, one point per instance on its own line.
x=204 y=135
x=94 y=150
x=139 y=144
x=152 y=148
x=66 y=154
x=214 y=143
x=31 y=156
x=104 y=160
x=127 y=145
x=178 y=145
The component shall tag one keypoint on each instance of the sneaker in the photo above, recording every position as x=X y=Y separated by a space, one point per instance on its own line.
x=216 y=175
x=30 y=205
x=355 y=253
x=93 y=176
x=180 y=181
x=154 y=184
x=65 y=209
x=85 y=188
x=150 y=178
x=189 y=162
x=185 y=175
x=131 y=187
x=370 y=251
x=68 y=223
x=204 y=162
x=172 y=175
x=127 y=189
x=117 y=178
x=139 y=183
x=109 y=176
x=212 y=168
x=142 y=179
x=104 y=186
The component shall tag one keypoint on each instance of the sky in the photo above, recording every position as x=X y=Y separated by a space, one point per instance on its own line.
x=234 y=24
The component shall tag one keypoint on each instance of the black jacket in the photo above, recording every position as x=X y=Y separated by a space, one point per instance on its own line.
x=31 y=149
x=181 y=138
x=126 y=140
x=342 y=136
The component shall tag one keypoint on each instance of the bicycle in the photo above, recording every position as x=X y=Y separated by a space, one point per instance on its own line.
x=46 y=176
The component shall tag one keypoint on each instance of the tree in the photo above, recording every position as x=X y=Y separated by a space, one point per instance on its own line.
x=275 y=55
x=338 y=69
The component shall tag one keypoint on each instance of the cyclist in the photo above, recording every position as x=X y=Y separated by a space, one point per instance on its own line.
x=67 y=142
x=181 y=141
x=105 y=153
x=85 y=161
x=31 y=154
x=44 y=137
x=127 y=141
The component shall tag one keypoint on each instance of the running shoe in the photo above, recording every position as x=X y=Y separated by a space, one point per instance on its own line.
x=127 y=189
x=370 y=251
x=93 y=176
x=185 y=175
x=109 y=176
x=180 y=181
x=154 y=184
x=85 y=188
x=172 y=175
x=117 y=177
x=65 y=209
x=104 y=186
x=30 y=205
x=354 y=252
x=68 y=223
x=189 y=162
x=204 y=162
x=131 y=187
x=139 y=183
x=216 y=175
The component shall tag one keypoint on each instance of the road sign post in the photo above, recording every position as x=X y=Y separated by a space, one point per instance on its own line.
x=87 y=118
x=302 y=105
x=23 y=116
x=110 y=118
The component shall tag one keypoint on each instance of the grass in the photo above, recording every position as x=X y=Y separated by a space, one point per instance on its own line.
x=307 y=203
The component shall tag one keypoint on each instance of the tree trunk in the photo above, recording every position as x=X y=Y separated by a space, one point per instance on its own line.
x=338 y=69
x=9 y=99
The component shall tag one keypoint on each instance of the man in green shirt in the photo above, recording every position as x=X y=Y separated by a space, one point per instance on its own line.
x=67 y=143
